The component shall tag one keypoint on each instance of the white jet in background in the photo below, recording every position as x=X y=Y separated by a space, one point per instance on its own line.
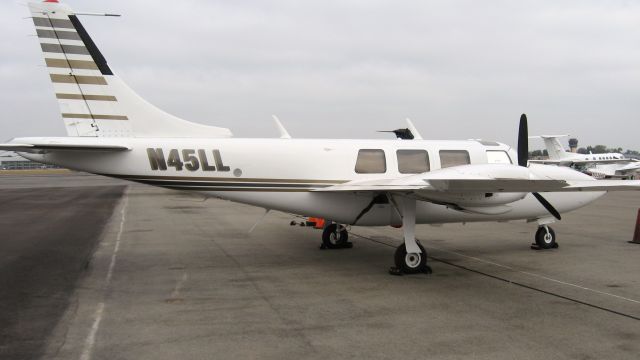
x=114 y=132
x=600 y=166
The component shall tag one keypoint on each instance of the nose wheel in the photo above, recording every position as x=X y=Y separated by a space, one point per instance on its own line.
x=545 y=238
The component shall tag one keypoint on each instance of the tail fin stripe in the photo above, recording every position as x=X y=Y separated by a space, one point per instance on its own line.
x=86 y=97
x=91 y=46
x=52 y=23
x=58 y=34
x=71 y=64
x=84 y=85
x=64 y=49
x=94 y=116
x=78 y=79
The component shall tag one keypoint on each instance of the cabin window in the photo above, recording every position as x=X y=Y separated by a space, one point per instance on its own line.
x=371 y=161
x=450 y=158
x=412 y=161
x=498 y=157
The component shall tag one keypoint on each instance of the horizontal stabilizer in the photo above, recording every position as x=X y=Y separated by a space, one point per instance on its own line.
x=44 y=148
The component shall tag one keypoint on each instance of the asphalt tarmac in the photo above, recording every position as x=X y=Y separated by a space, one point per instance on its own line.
x=178 y=276
x=48 y=236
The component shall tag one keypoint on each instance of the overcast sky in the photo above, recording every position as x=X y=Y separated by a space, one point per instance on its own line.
x=458 y=69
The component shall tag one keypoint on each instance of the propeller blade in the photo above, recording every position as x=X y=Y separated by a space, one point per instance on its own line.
x=404 y=134
x=547 y=206
x=523 y=141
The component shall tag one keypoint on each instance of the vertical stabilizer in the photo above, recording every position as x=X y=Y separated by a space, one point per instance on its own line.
x=554 y=147
x=93 y=101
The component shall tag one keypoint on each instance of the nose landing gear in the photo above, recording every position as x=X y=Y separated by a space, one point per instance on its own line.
x=545 y=238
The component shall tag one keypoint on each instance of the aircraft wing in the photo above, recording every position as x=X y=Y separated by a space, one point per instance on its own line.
x=41 y=148
x=554 y=162
x=569 y=162
x=424 y=184
x=631 y=166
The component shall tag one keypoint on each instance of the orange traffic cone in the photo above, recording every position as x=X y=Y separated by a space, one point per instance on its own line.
x=636 y=234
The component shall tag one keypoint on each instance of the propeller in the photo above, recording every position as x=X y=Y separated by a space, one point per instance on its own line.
x=523 y=160
x=404 y=134
x=523 y=141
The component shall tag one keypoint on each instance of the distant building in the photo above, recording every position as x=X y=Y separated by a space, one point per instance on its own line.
x=573 y=145
x=12 y=161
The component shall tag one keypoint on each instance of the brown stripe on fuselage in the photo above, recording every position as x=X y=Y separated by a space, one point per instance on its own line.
x=54 y=23
x=233 y=189
x=94 y=116
x=64 y=49
x=71 y=64
x=78 y=79
x=86 y=97
x=226 y=179
x=58 y=34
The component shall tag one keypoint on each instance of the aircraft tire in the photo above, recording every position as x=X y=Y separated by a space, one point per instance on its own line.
x=332 y=239
x=544 y=240
x=410 y=263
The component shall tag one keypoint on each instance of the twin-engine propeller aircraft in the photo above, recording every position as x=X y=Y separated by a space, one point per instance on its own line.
x=113 y=132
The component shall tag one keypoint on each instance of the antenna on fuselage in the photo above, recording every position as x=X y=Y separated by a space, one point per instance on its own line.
x=409 y=133
x=403 y=134
x=414 y=131
x=284 y=134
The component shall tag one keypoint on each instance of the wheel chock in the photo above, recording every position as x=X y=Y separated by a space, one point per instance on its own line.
x=535 y=246
x=395 y=271
x=347 y=245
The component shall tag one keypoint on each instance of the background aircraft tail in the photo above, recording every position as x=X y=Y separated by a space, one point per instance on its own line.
x=554 y=146
x=93 y=101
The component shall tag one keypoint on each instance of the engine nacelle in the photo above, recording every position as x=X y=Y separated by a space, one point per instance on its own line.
x=474 y=199
x=479 y=172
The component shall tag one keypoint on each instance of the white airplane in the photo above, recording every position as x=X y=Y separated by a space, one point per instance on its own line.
x=600 y=166
x=114 y=132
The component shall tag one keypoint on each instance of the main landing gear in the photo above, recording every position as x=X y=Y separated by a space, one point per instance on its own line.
x=335 y=236
x=410 y=257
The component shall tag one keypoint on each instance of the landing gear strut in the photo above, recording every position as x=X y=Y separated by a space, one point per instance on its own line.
x=410 y=257
x=335 y=236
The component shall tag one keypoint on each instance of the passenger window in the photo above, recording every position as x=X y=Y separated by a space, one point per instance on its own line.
x=498 y=157
x=412 y=161
x=371 y=161
x=450 y=158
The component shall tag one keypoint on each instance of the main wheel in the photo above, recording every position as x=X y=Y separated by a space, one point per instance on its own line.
x=544 y=239
x=334 y=239
x=410 y=263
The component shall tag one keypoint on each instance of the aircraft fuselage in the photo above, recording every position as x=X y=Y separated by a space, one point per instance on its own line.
x=280 y=174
